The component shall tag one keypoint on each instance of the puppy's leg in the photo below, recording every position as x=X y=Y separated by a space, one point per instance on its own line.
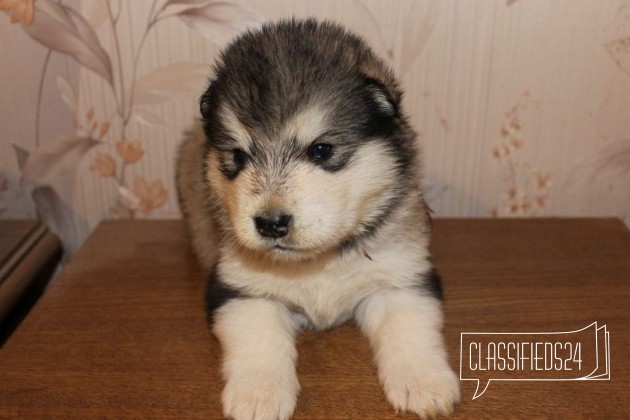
x=257 y=337
x=404 y=329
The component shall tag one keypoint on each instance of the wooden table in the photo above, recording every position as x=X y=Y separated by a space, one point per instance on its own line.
x=122 y=332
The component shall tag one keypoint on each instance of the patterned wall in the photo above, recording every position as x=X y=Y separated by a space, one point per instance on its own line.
x=522 y=105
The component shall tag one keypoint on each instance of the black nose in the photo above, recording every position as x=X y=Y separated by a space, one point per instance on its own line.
x=273 y=225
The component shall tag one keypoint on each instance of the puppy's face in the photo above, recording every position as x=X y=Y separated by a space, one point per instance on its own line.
x=301 y=171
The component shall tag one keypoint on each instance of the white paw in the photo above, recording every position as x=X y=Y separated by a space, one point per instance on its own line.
x=261 y=396
x=427 y=390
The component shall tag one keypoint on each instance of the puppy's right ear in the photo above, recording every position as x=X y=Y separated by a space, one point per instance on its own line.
x=206 y=100
x=384 y=98
x=204 y=105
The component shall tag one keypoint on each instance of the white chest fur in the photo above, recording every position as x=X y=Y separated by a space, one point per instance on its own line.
x=328 y=291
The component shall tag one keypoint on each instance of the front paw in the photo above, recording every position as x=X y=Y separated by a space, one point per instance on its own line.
x=425 y=389
x=263 y=396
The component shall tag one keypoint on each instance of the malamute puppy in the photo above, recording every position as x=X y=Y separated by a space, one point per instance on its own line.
x=301 y=191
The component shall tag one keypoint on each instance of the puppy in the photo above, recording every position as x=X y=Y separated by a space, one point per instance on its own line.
x=301 y=192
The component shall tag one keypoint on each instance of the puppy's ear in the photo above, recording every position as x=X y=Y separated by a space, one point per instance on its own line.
x=206 y=100
x=383 y=85
x=386 y=101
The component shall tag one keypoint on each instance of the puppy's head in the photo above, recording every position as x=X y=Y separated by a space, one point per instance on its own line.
x=307 y=150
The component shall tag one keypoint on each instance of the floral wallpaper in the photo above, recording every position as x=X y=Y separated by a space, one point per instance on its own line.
x=526 y=186
x=520 y=105
x=66 y=30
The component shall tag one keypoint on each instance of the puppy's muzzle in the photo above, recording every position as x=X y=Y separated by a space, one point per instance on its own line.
x=273 y=225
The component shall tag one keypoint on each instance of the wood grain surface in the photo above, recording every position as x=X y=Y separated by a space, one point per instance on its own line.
x=122 y=332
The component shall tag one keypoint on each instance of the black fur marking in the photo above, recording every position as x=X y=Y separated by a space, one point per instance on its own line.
x=311 y=63
x=218 y=294
x=431 y=284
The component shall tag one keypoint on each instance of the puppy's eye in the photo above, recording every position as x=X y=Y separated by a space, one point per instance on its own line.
x=240 y=158
x=319 y=152
x=232 y=161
